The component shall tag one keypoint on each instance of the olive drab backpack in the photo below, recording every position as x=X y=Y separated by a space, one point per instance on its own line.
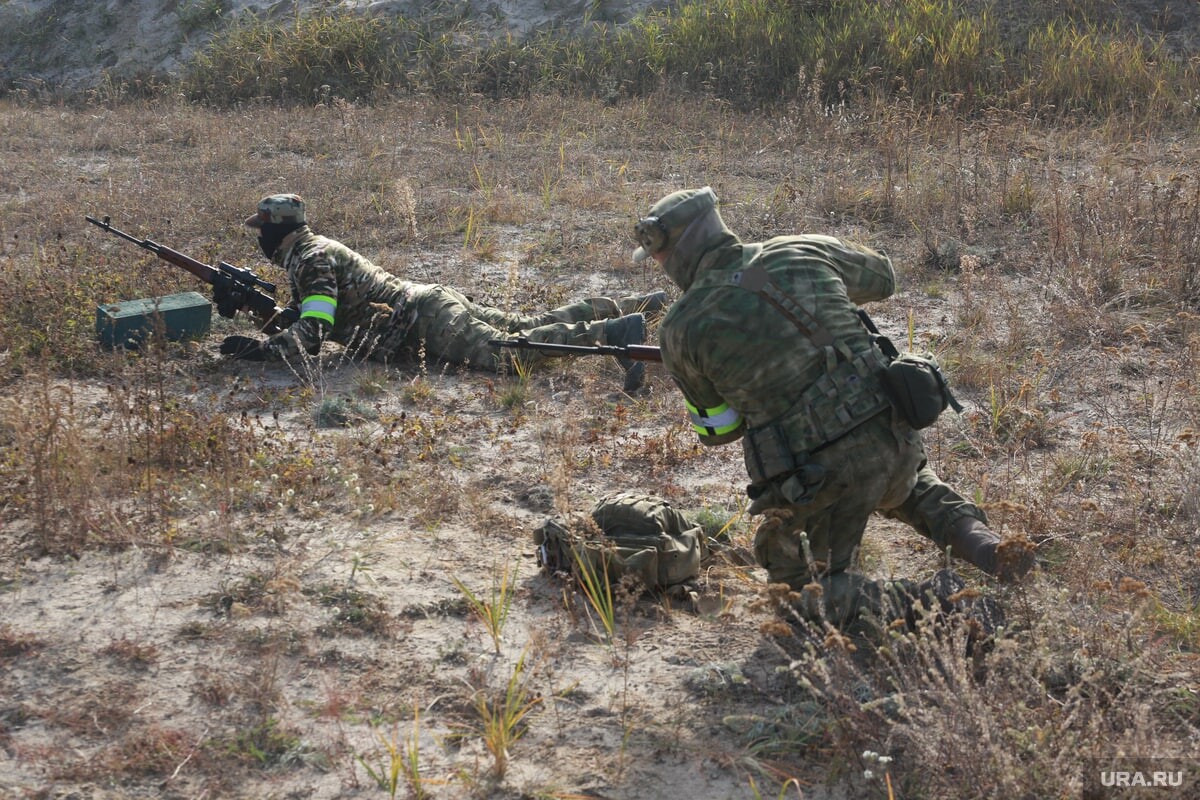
x=626 y=534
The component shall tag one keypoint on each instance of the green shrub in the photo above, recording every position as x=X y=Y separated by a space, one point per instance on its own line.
x=320 y=56
x=748 y=52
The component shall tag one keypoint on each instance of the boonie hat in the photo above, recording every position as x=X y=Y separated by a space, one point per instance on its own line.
x=668 y=218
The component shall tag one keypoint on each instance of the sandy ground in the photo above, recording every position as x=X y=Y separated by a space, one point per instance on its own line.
x=162 y=638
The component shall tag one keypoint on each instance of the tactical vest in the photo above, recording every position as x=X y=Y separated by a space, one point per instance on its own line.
x=848 y=394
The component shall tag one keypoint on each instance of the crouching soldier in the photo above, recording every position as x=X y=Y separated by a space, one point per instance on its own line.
x=767 y=347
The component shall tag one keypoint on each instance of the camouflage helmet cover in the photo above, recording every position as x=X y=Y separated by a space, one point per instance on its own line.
x=668 y=218
x=285 y=209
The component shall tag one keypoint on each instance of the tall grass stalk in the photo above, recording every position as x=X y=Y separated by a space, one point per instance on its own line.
x=412 y=758
x=790 y=783
x=492 y=610
x=386 y=774
x=501 y=720
x=399 y=760
x=597 y=588
x=516 y=392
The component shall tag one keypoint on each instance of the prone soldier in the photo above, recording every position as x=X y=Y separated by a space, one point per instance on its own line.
x=343 y=297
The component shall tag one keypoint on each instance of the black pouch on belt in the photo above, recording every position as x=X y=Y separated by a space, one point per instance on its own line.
x=797 y=487
x=802 y=485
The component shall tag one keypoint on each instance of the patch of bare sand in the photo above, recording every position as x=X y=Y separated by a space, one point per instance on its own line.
x=210 y=645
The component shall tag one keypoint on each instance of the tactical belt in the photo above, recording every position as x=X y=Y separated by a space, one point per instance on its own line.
x=832 y=406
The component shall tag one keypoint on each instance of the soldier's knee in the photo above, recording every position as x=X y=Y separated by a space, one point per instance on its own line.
x=778 y=551
x=604 y=308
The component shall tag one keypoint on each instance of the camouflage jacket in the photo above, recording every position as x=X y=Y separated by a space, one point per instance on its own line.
x=341 y=296
x=745 y=368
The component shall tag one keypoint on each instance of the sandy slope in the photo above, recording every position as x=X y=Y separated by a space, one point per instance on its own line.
x=79 y=42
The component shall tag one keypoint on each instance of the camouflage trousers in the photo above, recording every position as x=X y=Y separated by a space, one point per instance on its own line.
x=444 y=326
x=879 y=466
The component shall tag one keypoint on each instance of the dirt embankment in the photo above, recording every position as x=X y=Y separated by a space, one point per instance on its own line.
x=81 y=44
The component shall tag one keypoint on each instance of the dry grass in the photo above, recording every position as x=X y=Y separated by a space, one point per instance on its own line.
x=1052 y=267
x=1072 y=59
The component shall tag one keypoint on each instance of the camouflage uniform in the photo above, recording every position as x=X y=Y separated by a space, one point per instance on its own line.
x=821 y=444
x=341 y=296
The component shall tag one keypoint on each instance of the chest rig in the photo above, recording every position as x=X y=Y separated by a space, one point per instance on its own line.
x=847 y=394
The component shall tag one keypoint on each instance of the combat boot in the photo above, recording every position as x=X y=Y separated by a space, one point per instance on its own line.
x=977 y=544
x=859 y=606
x=948 y=592
x=622 y=331
x=651 y=305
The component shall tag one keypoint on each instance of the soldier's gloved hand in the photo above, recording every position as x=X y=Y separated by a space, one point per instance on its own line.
x=245 y=348
x=228 y=300
x=288 y=317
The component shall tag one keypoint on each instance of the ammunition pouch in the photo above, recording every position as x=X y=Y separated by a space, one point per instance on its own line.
x=832 y=406
x=915 y=385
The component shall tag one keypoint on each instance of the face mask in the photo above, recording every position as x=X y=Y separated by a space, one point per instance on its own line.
x=271 y=235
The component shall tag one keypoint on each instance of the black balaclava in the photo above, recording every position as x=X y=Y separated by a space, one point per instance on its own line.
x=271 y=234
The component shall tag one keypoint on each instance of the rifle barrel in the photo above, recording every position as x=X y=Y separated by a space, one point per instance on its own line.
x=263 y=306
x=637 y=352
x=104 y=223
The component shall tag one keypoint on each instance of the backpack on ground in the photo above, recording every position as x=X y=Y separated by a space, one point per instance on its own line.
x=626 y=534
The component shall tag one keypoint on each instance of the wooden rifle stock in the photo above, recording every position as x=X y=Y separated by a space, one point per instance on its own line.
x=225 y=278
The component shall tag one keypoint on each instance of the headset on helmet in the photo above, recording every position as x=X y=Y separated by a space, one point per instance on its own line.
x=653 y=232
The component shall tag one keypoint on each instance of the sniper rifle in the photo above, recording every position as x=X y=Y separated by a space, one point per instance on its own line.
x=234 y=288
x=634 y=352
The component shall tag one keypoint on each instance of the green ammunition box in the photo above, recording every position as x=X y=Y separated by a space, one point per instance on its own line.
x=177 y=316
